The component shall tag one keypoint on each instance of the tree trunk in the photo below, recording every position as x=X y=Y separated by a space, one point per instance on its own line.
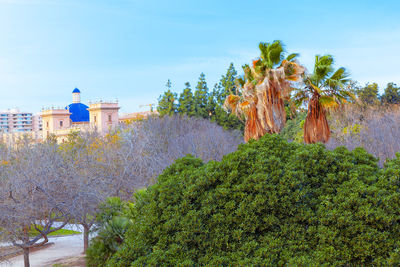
x=253 y=128
x=316 y=127
x=85 y=237
x=26 y=257
x=26 y=249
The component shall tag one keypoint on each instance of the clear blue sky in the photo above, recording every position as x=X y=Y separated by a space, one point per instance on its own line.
x=127 y=49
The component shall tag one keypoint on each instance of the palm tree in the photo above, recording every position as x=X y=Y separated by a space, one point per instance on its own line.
x=325 y=89
x=263 y=89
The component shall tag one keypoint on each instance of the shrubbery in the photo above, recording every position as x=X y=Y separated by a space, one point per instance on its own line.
x=111 y=222
x=270 y=203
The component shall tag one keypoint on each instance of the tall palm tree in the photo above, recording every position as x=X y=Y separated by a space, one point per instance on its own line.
x=324 y=89
x=263 y=88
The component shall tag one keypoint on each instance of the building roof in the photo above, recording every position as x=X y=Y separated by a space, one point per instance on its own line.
x=76 y=90
x=79 y=112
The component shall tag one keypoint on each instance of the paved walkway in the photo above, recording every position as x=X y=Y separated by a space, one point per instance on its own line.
x=66 y=246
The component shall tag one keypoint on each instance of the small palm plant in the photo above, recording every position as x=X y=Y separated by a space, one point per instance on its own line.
x=324 y=90
x=264 y=87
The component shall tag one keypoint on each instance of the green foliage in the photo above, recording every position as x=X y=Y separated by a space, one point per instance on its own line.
x=271 y=55
x=227 y=119
x=368 y=94
x=391 y=94
x=112 y=222
x=203 y=103
x=293 y=130
x=61 y=232
x=227 y=85
x=113 y=207
x=270 y=203
x=200 y=97
x=166 y=102
x=352 y=129
x=186 y=102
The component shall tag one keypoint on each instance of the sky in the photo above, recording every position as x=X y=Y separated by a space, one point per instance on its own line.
x=128 y=49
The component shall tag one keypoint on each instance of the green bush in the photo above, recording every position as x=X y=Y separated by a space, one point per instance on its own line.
x=111 y=224
x=270 y=203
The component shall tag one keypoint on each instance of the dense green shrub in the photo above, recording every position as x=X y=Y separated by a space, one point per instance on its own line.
x=270 y=203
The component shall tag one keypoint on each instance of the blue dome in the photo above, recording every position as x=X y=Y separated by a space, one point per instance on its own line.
x=79 y=112
x=76 y=90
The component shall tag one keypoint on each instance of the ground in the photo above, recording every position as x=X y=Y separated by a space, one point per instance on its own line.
x=78 y=261
x=66 y=248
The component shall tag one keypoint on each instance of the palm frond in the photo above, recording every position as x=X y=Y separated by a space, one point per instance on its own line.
x=328 y=102
x=309 y=83
x=293 y=70
x=299 y=98
x=341 y=75
x=276 y=52
x=239 y=82
x=231 y=103
x=292 y=56
x=272 y=53
x=247 y=72
x=323 y=68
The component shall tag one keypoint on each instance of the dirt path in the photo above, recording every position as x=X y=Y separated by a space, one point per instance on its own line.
x=66 y=246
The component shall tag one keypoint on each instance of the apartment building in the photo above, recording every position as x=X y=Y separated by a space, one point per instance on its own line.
x=15 y=121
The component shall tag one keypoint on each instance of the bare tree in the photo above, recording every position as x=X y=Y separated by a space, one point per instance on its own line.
x=44 y=183
x=84 y=155
x=149 y=146
x=375 y=128
x=31 y=195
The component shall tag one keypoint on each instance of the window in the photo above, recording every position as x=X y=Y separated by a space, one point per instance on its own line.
x=94 y=118
x=109 y=118
x=47 y=124
x=61 y=123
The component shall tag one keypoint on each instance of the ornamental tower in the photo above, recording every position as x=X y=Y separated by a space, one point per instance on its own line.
x=104 y=116
x=76 y=96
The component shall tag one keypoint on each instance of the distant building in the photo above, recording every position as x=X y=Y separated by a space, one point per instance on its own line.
x=15 y=121
x=100 y=116
x=59 y=122
x=37 y=124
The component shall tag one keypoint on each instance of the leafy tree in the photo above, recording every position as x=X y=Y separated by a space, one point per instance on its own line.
x=186 y=101
x=265 y=86
x=369 y=94
x=391 y=94
x=166 y=102
x=203 y=103
x=324 y=89
x=201 y=97
x=270 y=203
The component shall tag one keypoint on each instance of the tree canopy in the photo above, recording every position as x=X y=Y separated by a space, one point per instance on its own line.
x=203 y=103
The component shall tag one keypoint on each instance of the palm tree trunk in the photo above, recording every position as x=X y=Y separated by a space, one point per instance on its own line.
x=253 y=128
x=316 y=127
x=270 y=105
